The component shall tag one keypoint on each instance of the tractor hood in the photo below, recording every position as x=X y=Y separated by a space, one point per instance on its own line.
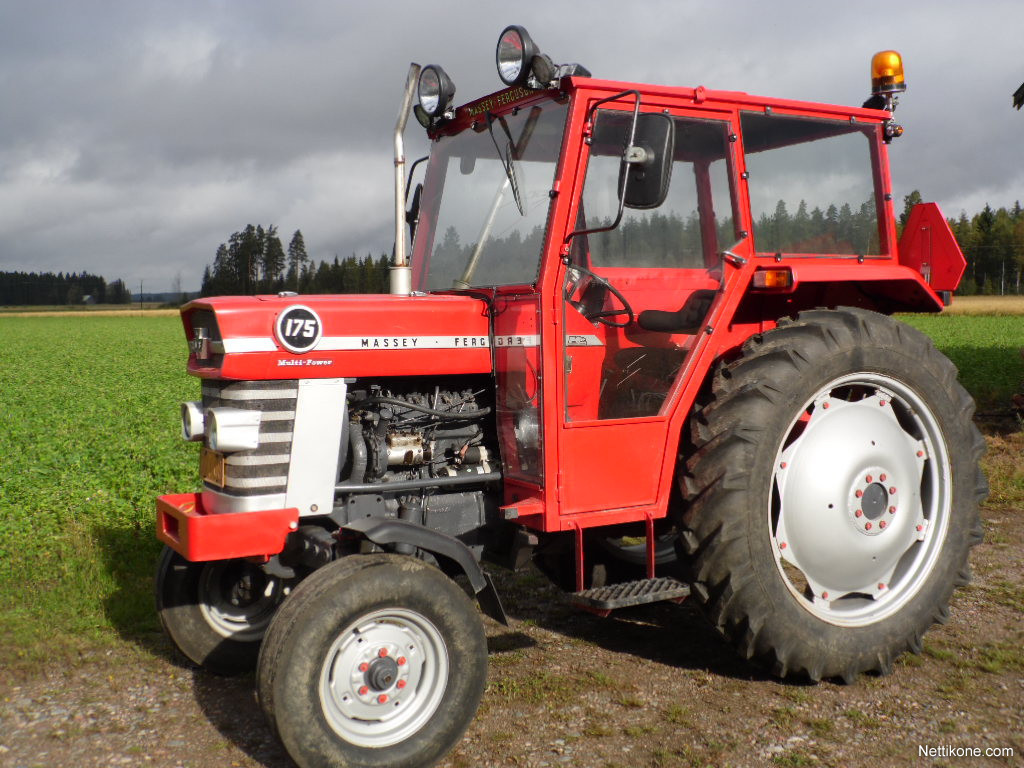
x=301 y=337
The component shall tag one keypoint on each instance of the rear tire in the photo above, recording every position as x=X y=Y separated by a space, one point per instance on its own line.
x=375 y=660
x=833 y=492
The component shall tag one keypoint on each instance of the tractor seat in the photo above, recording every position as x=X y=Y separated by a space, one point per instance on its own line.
x=687 y=319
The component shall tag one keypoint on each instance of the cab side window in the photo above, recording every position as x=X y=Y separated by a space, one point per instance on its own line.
x=671 y=235
x=811 y=185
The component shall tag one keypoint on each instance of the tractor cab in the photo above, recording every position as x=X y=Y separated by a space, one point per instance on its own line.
x=625 y=236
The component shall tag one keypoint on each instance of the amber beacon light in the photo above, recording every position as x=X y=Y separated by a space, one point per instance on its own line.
x=887 y=73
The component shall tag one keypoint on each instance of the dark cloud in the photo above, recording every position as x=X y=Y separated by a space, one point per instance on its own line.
x=134 y=137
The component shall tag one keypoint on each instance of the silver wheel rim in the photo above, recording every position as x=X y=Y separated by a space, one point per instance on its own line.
x=861 y=496
x=238 y=599
x=383 y=677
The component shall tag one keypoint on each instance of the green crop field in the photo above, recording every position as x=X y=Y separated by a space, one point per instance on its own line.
x=90 y=435
x=985 y=348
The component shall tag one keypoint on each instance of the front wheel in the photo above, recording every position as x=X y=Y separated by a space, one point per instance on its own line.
x=216 y=612
x=375 y=660
x=833 y=494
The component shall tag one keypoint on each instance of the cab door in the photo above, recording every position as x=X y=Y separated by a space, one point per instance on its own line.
x=633 y=302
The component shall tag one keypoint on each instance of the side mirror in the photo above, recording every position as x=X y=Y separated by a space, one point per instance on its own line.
x=647 y=167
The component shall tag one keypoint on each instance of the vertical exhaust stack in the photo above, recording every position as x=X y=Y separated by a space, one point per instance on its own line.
x=401 y=272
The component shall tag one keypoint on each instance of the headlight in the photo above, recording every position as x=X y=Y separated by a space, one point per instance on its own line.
x=514 y=55
x=232 y=429
x=192 y=421
x=435 y=90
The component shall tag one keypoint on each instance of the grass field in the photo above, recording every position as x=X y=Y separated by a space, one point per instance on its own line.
x=90 y=434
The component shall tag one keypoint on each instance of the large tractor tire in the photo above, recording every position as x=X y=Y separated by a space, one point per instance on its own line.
x=374 y=660
x=217 y=612
x=832 y=493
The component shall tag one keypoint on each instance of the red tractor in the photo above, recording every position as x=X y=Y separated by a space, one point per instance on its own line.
x=642 y=337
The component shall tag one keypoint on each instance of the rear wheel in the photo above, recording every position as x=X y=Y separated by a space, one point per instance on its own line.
x=833 y=494
x=217 y=612
x=375 y=660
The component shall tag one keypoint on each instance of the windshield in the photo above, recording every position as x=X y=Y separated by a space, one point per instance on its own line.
x=486 y=198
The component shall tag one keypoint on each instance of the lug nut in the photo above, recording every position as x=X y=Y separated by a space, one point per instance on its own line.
x=363 y=690
x=859 y=513
x=881 y=523
x=382 y=652
x=363 y=667
x=892 y=490
x=869 y=478
x=400 y=684
x=382 y=699
x=401 y=661
x=858 y=494
x=881 y=478
x=892 y=510
x=867 y=526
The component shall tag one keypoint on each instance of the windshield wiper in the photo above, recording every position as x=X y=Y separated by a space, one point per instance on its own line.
x=509 y=156
x=513 y=151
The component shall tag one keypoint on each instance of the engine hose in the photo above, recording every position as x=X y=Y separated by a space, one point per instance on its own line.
x=413 y=485
x=358 y=447
x=452 y=415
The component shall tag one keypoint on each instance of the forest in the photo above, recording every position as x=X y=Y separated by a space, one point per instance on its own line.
x=46 y=288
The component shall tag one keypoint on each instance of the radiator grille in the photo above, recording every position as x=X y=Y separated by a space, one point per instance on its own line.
x=264 y=470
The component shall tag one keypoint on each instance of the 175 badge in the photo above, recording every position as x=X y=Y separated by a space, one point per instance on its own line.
x=298 y=329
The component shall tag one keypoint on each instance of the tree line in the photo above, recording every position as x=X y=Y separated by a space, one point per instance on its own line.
x=253 y=260
x=46 y=288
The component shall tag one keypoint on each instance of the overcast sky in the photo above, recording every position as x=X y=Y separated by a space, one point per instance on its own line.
x=136 y=135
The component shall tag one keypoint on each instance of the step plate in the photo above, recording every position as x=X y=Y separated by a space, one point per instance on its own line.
x=631 y=593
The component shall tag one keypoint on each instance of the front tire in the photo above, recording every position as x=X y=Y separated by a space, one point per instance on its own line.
x=375 y=660
x=833 y=494
x=216 y=612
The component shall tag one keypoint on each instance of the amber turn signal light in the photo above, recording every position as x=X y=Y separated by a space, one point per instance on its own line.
x=777 y=279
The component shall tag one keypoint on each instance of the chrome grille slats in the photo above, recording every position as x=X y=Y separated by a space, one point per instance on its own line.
x=265 y=469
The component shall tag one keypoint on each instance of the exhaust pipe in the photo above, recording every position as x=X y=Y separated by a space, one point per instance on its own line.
x=401 y=272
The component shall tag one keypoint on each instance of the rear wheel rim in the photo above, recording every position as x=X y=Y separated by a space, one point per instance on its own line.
x=383 y=677
x=861 y=499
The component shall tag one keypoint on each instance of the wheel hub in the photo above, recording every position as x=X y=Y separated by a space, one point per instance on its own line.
x=382 y=674
x=871 y=502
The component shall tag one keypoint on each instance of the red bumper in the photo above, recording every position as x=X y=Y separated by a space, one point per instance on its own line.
x=185 y=526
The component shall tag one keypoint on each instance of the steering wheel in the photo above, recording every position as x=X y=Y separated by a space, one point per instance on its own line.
x=603 y=316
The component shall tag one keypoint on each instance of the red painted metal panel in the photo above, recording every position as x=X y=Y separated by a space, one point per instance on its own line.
x=185 y=526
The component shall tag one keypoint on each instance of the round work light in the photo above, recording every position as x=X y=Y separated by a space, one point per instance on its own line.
x=436 y=90
x=514 y=55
